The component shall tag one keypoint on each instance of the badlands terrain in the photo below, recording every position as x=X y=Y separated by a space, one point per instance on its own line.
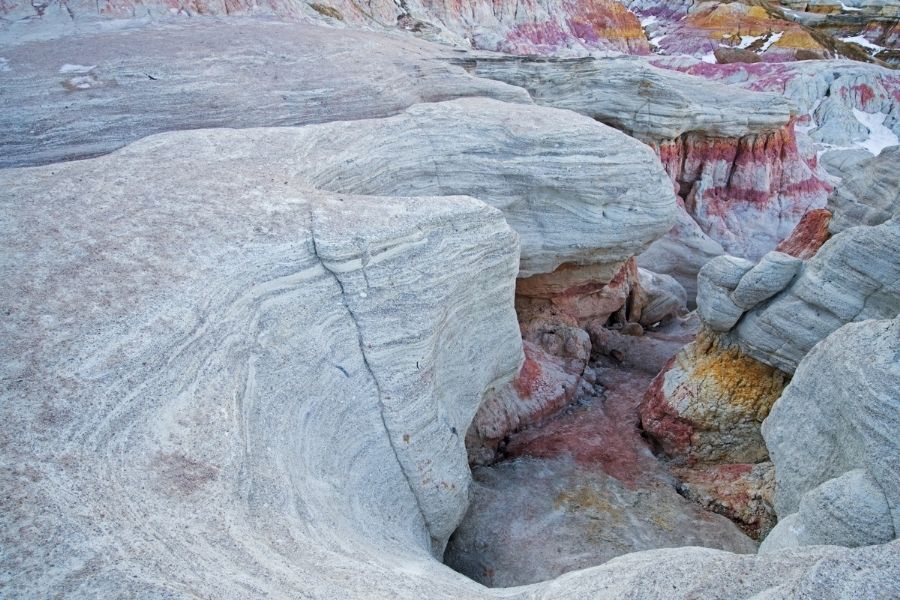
x=463 y=299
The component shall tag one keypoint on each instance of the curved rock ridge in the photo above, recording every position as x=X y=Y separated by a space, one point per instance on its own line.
x=224 y=368
x=854 y=276
x=210 y=373
x=837 y=465
x=574 y=190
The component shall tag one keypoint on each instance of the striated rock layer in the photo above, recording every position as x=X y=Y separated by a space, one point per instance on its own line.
x=223 y=73
x=533 y=27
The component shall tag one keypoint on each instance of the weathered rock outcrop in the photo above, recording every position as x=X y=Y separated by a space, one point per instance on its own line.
x=708 y=403
x=730 y=377
x=853 y=277
x=743 y=492
x=872 y=90
x=538 y=27
x=708 y=26
x=832 y=437
x=808 y=236
x=223 y=349
x=630 y=94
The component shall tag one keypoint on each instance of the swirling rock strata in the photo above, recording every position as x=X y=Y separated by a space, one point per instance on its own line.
x=219 y=361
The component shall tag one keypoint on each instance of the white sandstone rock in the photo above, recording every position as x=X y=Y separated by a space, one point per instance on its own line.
x=854 y=276
x=833 y=438
x=870 y=195
x=661 y=297
x=715 y=283
x=643 y=100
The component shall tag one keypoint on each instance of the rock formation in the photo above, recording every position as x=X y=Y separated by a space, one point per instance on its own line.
x=305 y=298
x=837 y=468
x=870 y=195
x=733 y=160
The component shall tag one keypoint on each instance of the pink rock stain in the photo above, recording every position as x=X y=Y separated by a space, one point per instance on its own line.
x=604 y=434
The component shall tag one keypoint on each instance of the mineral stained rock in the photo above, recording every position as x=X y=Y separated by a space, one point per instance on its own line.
x=243 y=363
x=584 y=487
x=808 y=236
x=708 y=403
x=837 y=468
x=743 y=492
x=733 y=158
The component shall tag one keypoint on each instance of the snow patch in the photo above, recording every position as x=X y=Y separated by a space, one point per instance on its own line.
x=746 y=40
x=68 y=68
x=850 y=8
x=861 y=41
x=880 y=137
x=654 y=36
x=774 y=38
x=709 y=57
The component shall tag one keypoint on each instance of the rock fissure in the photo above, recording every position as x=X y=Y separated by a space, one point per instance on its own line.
x=371 y=372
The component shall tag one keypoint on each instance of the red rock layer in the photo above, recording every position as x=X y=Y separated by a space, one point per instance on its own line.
x=809 y=235
x=747 y=193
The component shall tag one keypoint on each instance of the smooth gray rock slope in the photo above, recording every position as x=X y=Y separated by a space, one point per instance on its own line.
x=84 y=95
x=221 y=382
x=833 y=438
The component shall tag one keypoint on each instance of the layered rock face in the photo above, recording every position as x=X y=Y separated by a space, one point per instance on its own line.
x=842 y=103
x=733 y=159
x=870 y=195
x=762 y=320
x=261 y=361
x=736 y=32
x=215 y=364
x=838 y=467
